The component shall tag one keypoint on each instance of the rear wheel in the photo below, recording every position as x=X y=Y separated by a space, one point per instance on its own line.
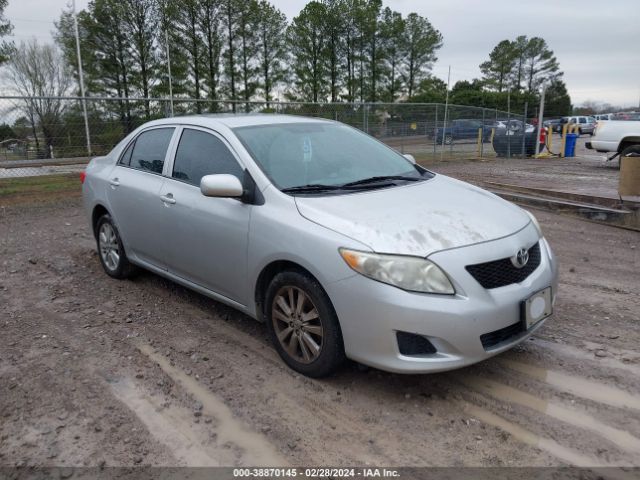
x=110 y=250
x=303 y=325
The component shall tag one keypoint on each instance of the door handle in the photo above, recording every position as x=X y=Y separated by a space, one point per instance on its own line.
x=168 y=198
x=114 y=182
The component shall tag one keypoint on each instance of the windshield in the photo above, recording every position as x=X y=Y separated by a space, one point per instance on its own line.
x=322 y=154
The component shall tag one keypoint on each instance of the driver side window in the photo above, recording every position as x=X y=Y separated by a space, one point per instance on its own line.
x=200 y=153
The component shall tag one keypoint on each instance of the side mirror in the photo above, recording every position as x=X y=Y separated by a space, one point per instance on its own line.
x=222 y=185
x=409 y=157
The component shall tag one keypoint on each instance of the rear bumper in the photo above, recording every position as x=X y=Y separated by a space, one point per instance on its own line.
x=371 y=313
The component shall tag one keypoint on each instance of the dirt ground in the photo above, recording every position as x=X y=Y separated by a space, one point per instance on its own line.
x=95 y=371
x=588 y=173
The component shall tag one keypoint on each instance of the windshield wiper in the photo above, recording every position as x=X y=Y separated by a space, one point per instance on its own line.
x=365 y=181
x=316 y=187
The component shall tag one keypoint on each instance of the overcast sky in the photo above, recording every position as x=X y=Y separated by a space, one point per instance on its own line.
x=596 y=42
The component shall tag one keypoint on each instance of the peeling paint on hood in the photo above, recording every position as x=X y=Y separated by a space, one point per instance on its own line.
x=417 y=219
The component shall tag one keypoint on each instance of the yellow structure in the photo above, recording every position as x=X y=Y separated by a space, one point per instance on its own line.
x=565 y=129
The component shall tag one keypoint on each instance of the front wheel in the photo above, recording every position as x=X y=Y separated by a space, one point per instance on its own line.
x=302 y=324
x=448 y=139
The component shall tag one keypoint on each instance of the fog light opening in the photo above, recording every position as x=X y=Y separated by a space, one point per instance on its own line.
x=412 y=344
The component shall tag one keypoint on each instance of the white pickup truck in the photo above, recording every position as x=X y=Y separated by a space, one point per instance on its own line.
x=621 y=137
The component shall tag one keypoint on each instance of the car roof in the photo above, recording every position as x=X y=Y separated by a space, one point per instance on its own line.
x=234 y=120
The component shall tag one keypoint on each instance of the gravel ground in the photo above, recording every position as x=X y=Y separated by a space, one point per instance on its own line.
x=95 y=371
x=588 y=173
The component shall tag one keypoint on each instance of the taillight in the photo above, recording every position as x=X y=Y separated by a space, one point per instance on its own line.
x=83 y=175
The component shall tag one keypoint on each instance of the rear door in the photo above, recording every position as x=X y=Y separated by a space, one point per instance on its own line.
x=134 y=195
x=207 y=236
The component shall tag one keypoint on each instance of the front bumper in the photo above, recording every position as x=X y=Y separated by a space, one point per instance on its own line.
x=371 y=312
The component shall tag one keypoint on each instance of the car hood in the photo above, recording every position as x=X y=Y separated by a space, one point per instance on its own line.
x=417 y=219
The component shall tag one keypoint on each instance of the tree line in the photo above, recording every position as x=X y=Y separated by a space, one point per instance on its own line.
x=511 y=80
x=333 y=50
x=244 y=50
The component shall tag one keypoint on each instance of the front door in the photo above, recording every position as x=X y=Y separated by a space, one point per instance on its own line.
x=207 y=236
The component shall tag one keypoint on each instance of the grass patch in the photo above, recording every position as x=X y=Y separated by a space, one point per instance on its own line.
x=44 y=185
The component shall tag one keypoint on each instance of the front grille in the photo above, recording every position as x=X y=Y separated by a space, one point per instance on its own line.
x=412 y=344
x=492 y=339
x=499 y=273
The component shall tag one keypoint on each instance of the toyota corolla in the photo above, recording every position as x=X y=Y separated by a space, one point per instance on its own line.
x=342 y=246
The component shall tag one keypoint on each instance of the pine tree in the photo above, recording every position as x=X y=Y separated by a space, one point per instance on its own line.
x=498 y=69
x=272 y=47
x=309 y=52
x=421 y=42
x=392 y=31
x=5 y=29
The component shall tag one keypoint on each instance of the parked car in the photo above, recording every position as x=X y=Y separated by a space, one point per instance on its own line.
x=604 y=117
x=621 y=137
x=508 y=142
x=627 y=116
x=512 y=126
x=555 y=124
x=585 y=124
x=462 y=129
x=341 y=245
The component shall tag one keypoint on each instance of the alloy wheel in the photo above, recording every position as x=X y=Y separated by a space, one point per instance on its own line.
x=109 y=248
x=297 y=324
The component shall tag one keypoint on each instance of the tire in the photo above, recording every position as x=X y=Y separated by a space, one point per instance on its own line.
x=321 y=328
x=111 y=251
x=627 y=151
x=448 y=139
x=579 y=132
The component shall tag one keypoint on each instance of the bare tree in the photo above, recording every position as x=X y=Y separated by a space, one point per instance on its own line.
x=38 y=73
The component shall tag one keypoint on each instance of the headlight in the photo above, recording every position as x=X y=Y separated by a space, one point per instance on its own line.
x=534 y=220
x=409 y=273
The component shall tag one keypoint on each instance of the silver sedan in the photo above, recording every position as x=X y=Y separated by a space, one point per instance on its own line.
x=342 y=246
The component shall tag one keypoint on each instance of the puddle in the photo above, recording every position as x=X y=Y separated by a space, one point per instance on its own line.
x=170 y=426
x=499 y=391
x=581 y=387
x=552 y=447
x=568 y=350
x=256 y=449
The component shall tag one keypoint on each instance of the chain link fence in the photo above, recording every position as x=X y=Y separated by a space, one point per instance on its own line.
x=41 y=135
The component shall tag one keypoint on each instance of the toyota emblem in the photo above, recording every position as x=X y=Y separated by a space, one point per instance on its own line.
x=521 y=258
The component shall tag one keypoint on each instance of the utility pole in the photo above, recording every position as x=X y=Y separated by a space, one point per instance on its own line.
x=540 y=119
x=446 y=109
x=81 y=75
x=166 y=37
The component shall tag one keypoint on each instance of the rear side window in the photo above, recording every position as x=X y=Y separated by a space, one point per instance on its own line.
x=125 y=159
x=150 y=149
x=199 y=154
